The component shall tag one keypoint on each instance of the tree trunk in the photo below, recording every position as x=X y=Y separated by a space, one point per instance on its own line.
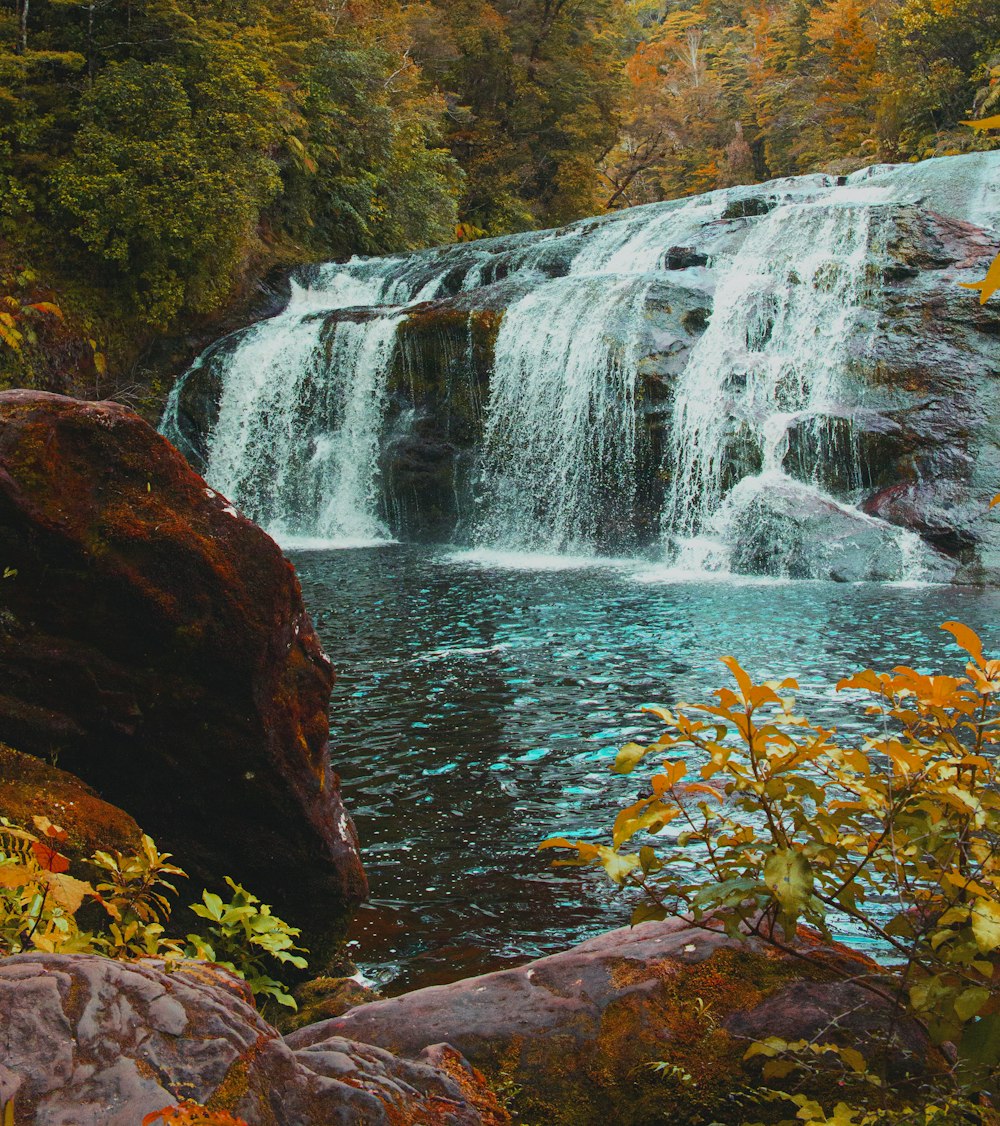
x=22 y=45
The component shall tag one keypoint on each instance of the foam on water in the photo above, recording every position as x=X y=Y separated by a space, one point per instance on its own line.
x=534 y=560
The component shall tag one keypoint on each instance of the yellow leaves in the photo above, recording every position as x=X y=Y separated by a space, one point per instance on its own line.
x=629 y=757
x=672 y=774
x=701 y=788
x=100 y=360
x=800 y=822
x=989 y=284
x=986 y=924
x=468 y=232
x=647 y=814
x=739 y=674
x=867 y=681
x=663 y=714
x=15 y=876
x=46 y=307
x=967 y=638
x=970 y=1001
x=618 y=867
x=906 y=762
x=9 y=334
x=789 y=876
x=67 y=891
x=301 y=155
x=983 y=123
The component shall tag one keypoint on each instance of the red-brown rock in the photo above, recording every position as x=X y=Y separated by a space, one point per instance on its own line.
x=31 y=788
x=91 y=1042
x=575 y=1034
x=157 y=642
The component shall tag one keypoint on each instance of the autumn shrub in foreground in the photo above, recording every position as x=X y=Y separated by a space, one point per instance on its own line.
x=769 y=820
x=44 y=907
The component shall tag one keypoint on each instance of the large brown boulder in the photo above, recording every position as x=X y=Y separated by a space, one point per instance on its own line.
x=91 y=1042
x=156 y=642
x=575 y=1034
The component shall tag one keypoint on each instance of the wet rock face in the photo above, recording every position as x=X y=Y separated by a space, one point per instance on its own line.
x=92 y=1042
x=907 y=434
x=157 y=643
x=783 y=529
x=574 y=1034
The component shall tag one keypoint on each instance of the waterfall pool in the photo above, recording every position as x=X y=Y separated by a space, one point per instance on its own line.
x=481 y=699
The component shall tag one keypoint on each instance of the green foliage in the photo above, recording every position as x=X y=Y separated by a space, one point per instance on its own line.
x=782 y=821
x=41 y=905
x=536 y=90
x=166 y=184
x=155 y=154
x=243 y=935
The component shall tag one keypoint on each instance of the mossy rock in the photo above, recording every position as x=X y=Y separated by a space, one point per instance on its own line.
x=323 y=998
x=30 y=787
x=573 y=1039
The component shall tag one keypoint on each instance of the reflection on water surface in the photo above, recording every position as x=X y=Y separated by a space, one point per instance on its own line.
x=480 y=704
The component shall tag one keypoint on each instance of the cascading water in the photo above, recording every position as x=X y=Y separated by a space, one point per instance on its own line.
x=789 y=317
x=774 y=350
x=728 y=334
x=559 y=448
x=559 y=442
x=297 y=438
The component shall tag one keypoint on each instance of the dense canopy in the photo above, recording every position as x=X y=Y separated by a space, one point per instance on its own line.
x=157 y=156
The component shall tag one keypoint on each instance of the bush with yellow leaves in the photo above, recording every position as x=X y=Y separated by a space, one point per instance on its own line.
x=895 y=836
x=42 y=905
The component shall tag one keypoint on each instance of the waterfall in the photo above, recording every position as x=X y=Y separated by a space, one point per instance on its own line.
x=297 y=438
x=774 y=352
x=698 y=366
x=559 y=442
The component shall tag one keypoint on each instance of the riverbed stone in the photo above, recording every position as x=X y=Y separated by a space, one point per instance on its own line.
x=92 y=1042
x=575 y=1035
x=156 y=643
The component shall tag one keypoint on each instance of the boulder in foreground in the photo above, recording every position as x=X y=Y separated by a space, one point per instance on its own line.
x=92 y=1042
x=156 y=642
x=576 y=1034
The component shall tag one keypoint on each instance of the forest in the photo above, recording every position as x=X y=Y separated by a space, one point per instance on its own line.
x=159 y=156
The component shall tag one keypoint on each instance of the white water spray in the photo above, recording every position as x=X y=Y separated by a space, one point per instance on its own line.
x=559 y=445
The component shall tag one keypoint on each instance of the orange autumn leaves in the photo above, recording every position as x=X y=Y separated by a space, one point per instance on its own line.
x=896 y=828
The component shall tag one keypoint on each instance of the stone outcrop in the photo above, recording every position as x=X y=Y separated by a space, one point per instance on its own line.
x=575 y=1033
x=156 y=642
x=31 y=788
x=783 y=528
x=91 y=1042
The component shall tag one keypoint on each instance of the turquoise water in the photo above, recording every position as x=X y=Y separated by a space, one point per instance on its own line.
x=480 y=703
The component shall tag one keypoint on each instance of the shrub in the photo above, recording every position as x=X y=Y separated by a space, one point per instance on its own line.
x=41 y=905
x=783 y=821
x=241 y=935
